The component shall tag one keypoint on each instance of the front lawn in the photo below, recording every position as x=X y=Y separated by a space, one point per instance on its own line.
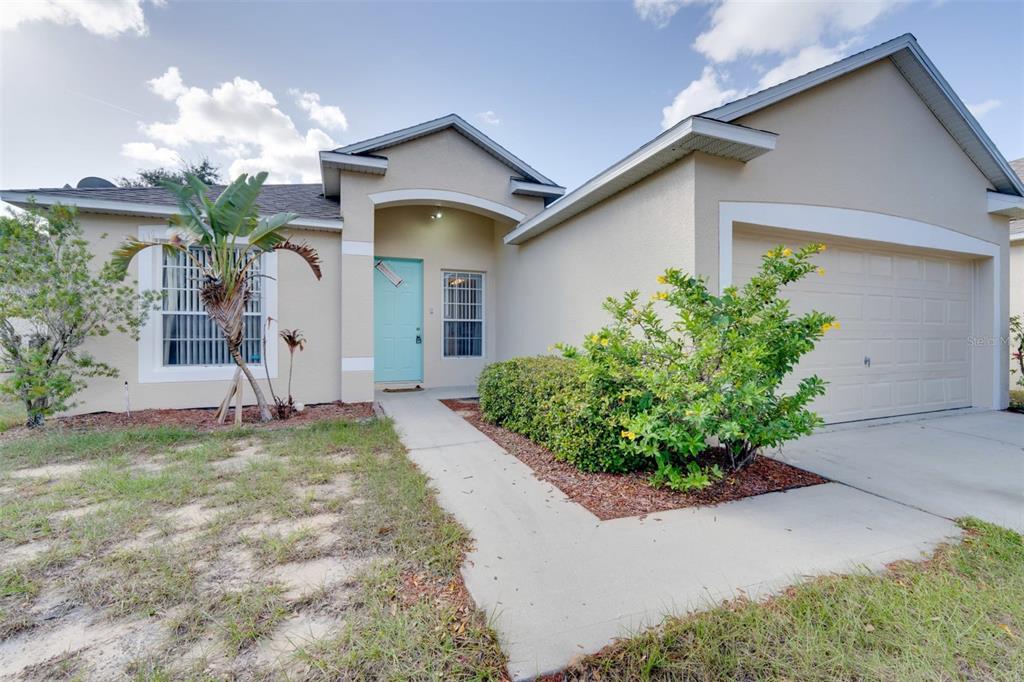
x=154 y=553
x=958 y=616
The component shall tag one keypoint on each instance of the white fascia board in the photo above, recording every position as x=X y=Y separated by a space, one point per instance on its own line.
x=25 y=199
x=1008 y=205
x=667 y=147
x=534 y=189
x=1017 y=237
x=373 y=165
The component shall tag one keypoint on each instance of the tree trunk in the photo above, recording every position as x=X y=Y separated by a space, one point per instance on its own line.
x=265 y=415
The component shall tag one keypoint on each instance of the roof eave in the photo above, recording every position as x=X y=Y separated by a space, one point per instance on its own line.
x=690 y=135
x=129 y=208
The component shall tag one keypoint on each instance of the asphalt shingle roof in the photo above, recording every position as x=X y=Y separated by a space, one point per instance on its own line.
x=306 y=199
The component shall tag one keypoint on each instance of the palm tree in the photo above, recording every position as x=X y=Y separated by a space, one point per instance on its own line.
x=224 y=239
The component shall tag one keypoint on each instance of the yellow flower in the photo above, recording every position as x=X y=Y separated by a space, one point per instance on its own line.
x=661 y=295
x=770 y=254
x=835 y=325
x=661 y=279
x=629 y=434
x=821 y=247
x=595 y=338
x=825 y=327
x=821 y=271
x=604 y=342
x=787 y=252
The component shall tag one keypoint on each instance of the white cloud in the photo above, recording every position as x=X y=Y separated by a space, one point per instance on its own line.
x=489 y=117
x=149 y=154
x=169 y=86
x=660 y=12
x=706 y=92
x=982 y=108
x=743 y=28
x=108 y=18
x=807 y=59
x=328 y=116
x=241 y=120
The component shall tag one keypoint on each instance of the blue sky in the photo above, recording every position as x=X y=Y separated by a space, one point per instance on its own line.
x=570 y=87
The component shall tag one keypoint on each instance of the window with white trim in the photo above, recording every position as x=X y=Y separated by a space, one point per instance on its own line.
x=190 y=337
x=463 y=314
x=179 y=342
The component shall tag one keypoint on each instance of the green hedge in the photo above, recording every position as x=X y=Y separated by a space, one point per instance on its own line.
x=547 y=400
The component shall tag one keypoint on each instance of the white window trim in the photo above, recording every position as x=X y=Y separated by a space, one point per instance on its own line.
x=483 y=317
x=866 y=225
x=151 y=367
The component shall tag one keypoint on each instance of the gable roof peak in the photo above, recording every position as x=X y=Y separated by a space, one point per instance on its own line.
x=461 y=126
x=923 y=77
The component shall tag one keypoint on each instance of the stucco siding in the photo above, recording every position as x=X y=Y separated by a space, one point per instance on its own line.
x=312 y=306
x=458 y=241
x=551 y=288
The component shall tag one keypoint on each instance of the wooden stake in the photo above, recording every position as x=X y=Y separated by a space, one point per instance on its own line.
x=238 y=405
x=225 y=405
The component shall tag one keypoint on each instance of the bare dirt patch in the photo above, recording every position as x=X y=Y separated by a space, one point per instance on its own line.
x=613 y=496
x=295 y=634
x=52 y=471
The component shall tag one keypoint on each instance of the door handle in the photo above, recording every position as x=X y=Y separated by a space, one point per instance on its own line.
x=419 y=339
x=867 y=361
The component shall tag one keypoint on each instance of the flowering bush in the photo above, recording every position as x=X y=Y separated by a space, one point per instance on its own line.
x=706 y=384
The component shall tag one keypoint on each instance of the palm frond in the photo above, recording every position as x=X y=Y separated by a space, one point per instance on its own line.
x=190 y=217
x=236 y=206
x=266 y=235
x=305 y=251
x=122 y=256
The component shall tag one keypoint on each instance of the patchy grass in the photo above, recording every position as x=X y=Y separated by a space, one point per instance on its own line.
x=1017 y=400
x=959 y=615
x=204 y=535
x=11 y=414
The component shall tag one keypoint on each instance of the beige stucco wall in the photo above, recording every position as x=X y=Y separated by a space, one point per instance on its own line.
x=865 y=141
x=457 y=241
x=551 y=288
x=1017 y=277
x=312 y=306
x=441 y=161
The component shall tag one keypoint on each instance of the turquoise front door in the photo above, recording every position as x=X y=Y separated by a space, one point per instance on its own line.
x=398 y=319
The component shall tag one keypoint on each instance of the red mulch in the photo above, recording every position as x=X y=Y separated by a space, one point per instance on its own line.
x=613 y=496
x=203 y=419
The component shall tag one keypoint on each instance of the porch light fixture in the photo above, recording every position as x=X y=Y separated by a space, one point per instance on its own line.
x=437 y=215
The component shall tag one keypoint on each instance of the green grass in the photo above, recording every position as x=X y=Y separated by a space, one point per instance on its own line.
x=959 y=615
x=56 y=444
x=11 y=414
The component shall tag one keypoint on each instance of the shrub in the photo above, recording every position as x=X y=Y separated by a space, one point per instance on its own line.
x=51 y=302
x=709 y=380
x=549 y=400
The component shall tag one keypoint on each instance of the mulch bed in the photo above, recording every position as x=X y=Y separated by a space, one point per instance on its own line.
x=613 y=496
x=203 y=419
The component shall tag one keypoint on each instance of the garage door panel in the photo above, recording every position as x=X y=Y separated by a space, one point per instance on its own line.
x=909 y=314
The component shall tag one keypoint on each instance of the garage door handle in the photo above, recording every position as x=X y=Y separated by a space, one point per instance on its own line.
x=867 y=361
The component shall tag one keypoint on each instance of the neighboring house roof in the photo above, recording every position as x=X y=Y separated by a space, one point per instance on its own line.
x=459 y=125
x=905 y=54
x=306 y=200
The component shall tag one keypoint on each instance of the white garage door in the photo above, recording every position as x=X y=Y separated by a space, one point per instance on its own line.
x=905 y=318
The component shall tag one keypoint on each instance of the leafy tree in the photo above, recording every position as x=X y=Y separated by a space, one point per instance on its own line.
x=51 y=302
x=224 y=239
x=204 y=169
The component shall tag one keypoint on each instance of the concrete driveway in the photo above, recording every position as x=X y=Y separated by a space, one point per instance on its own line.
x=968 y=464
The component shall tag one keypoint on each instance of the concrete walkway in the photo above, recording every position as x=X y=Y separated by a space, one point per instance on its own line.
x=953 y=465
x=560 y=583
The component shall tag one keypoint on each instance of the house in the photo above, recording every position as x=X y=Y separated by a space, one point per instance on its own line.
x=1017 y=253
x=443 y=251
